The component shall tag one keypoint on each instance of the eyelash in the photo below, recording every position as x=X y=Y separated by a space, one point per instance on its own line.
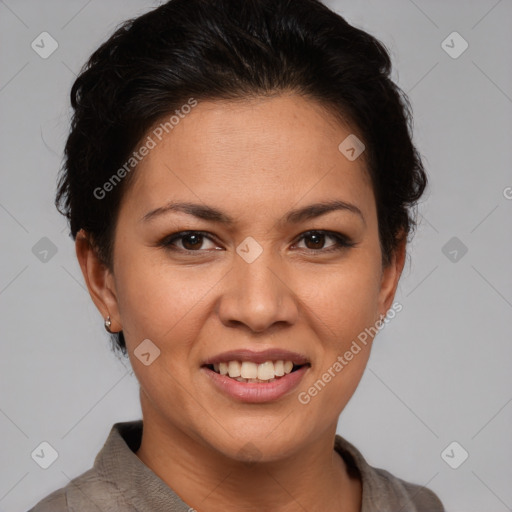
x=342 y=242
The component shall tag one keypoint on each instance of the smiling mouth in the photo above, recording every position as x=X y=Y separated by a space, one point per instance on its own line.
x=249 y=372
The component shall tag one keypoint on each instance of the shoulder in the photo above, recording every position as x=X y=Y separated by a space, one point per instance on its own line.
x=110 y=483
x=405 y=493
x=87 y=492
x=55 y=502
x=382 y=491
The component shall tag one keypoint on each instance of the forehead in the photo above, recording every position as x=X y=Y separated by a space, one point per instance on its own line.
x=264 y=150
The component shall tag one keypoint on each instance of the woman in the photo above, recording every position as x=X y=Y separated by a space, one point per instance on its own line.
x=239 y=180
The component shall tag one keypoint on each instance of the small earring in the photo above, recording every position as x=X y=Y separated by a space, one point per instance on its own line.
x=108 y=323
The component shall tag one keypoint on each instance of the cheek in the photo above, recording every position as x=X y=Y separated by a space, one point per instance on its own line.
x=159 y=303
x=346 y=299
x=145 y=296
x=345 y=309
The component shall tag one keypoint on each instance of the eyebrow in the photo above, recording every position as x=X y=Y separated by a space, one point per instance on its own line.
x=214 y=215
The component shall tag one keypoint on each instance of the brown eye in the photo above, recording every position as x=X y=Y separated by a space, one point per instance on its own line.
x=315 y=240
x=191 y=241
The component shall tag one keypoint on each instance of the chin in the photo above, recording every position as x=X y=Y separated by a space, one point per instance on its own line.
x=252 y=444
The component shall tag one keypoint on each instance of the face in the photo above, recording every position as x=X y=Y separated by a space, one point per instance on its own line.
x=307 y=283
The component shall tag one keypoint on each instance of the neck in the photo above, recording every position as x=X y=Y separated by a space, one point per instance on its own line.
x=315 y=478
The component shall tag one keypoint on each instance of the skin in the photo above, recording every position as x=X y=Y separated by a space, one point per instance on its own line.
x=255 y=160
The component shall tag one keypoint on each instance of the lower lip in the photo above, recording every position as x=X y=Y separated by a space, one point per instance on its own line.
x=255 y=392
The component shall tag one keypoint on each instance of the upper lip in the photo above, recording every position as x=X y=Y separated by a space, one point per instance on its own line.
x=273 y=354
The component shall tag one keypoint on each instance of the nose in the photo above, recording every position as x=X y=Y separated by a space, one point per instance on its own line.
x=259 y=295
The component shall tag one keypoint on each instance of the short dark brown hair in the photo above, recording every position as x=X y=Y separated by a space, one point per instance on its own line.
x=233 y=49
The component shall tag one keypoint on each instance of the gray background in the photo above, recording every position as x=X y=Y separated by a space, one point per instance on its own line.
x=439 y=372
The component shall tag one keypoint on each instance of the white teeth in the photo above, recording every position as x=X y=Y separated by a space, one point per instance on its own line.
x=266 y=370
x=234 y=369
x=279 y=368
x=247 y=371
x=223 y=368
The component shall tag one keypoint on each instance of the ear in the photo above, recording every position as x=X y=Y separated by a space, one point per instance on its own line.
x=391 y=275
x=99 y=279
